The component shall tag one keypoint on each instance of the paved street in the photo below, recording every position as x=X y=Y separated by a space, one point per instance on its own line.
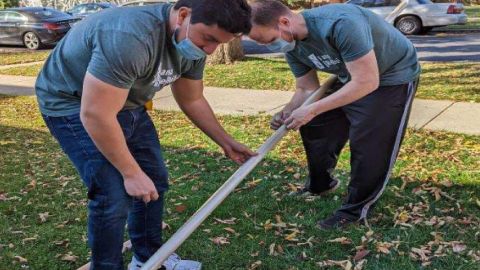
x=433 y=47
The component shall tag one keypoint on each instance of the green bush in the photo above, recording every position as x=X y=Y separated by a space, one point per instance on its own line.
x=8 y=3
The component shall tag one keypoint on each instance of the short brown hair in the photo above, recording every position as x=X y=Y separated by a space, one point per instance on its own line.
x=267 y=12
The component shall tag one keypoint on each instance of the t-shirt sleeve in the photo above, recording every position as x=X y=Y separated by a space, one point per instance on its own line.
x=196 y=70
x=296 y=66
x=352 y=37
x=118 y=58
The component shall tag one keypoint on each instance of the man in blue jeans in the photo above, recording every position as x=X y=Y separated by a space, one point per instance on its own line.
x=92 y=91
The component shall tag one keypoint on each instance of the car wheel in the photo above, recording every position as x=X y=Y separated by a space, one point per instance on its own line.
x=32 y=41
x=409 y=25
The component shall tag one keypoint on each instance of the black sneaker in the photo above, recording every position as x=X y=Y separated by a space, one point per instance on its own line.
x=306 y=191
x=334 y=222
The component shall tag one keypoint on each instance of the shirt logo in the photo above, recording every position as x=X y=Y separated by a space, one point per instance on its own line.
x=164 y=77
x=323 y=62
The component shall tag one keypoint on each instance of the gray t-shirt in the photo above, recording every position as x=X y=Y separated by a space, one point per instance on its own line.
x=341 y=33
x=128 y=47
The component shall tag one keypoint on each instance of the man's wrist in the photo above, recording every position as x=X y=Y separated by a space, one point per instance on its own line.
x=131 y=171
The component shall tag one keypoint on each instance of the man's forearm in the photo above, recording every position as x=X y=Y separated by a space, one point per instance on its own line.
x=350 y=92
x=109 y=139
x=297 y=100
x=201 y=114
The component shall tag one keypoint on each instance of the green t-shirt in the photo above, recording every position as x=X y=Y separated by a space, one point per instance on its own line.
x=127 y=47
x=341 y=33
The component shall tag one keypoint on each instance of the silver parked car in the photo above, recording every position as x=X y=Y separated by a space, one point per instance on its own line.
x=416 y=16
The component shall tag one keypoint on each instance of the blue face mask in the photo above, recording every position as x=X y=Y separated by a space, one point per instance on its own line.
x=187 y=48
x=281 y=45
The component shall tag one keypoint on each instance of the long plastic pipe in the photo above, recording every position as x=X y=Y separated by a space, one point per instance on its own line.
x=228 y=187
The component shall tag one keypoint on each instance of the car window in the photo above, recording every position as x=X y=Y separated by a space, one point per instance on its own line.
x=392 y=3
x=47 y=13
x=380 y=3
x=93 y=8
x=369 y=3
x=77 y=9
x=15 y=17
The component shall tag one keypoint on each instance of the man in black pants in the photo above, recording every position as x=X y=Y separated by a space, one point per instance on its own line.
x=378 y=74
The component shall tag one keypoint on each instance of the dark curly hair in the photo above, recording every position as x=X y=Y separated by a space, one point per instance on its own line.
x=232 y=16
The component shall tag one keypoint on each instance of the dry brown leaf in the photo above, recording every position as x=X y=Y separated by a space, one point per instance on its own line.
x=225 y=221
x=458 y=247
x=29 y=239
x=180 y=208
x=359 y=265
x=220 y=240
x=345 y=264
x=230 y=230
x=268 y=225
x=423 y=253
x=43 y=217
x=360 y=255
x=255 y=265
x=20 y=259
x=291 y=237
x=383 y=247
x=341 y=240
x=69 y=257
x=165 y=226
x=271 y=249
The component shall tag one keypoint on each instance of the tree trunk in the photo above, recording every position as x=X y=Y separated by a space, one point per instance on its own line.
x=227 y=53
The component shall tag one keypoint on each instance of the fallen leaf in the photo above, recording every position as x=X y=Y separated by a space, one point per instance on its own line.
x=359 y=265
x=458 y=247
x=291 y=237
x=297 y=176
x=271 y=249
x=165 y=226
x=360 y=255
x=43 y=217
x=255 y=265
x=341 y=240
x=384 y=247
x=226 y=221
x=69 y=257
x=230 y=230
x=180 y=208
x=29 y=239
x=220 y=240
x=20 y=259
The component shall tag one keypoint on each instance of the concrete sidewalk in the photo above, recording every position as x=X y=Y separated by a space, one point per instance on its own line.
x=460 y=117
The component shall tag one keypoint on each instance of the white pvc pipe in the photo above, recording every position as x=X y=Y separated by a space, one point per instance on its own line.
x=228 y=187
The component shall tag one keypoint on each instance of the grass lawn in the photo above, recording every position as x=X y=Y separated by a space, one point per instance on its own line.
x=22 y=57
x=452 y=81
x=428 y=217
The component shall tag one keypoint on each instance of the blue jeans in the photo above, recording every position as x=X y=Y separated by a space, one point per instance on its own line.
x=110 y=207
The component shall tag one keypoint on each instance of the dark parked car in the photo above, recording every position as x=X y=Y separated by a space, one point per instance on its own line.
x=145 y=2
x=83 y=10
x=33 y=26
